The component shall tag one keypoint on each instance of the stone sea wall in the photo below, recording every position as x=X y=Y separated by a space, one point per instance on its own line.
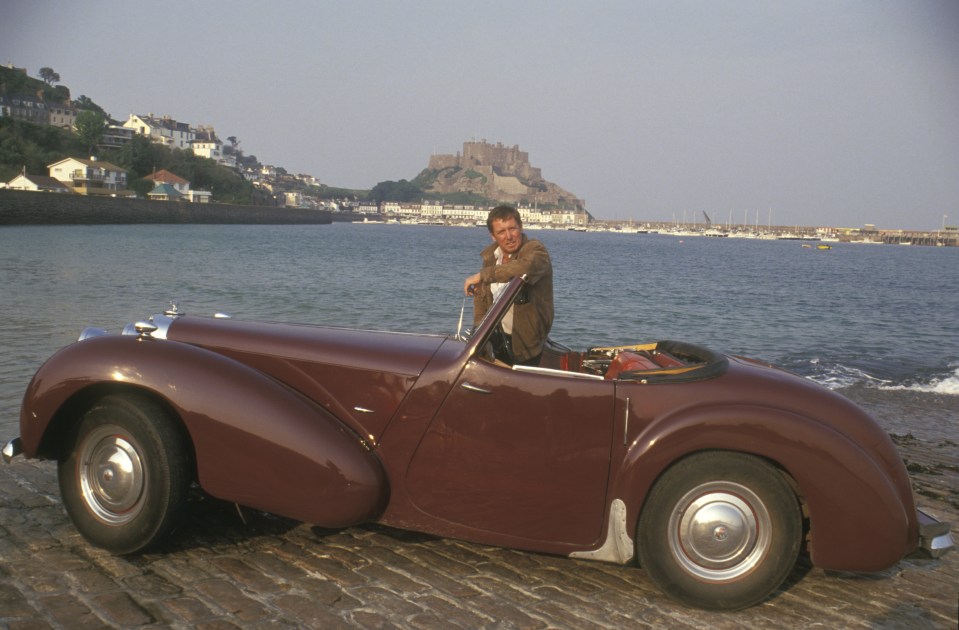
x=19 y=207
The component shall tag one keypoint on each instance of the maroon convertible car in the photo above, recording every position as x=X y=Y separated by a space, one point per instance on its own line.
x=713 y=472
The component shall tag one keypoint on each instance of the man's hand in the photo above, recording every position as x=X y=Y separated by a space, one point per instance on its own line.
x=469 y=284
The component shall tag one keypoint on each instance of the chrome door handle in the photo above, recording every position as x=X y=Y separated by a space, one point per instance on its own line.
x=474 y=388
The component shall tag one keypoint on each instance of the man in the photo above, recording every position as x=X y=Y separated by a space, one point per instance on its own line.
x=512 y=254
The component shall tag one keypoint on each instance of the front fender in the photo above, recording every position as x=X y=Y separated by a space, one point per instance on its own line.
x=860 y=518
x=256 y=442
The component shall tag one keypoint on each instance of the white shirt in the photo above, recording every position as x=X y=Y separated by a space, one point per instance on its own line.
x=497 y=288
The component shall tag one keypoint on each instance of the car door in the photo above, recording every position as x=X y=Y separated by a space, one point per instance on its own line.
x=520 y=454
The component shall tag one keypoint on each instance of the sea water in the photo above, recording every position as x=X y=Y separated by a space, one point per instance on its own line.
x=878 y=323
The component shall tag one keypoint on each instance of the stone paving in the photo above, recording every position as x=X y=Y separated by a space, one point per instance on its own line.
x=221 y=570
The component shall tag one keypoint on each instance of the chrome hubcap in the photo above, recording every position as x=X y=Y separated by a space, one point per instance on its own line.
x=111 y=474
x=719 y=531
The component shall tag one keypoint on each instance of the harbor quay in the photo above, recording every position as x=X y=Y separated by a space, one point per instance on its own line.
x=228 y=567
x=19 y=207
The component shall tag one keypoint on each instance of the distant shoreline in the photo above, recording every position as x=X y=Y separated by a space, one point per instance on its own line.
x=19 y=207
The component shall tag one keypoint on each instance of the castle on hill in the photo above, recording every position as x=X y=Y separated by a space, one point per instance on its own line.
x=497 y=172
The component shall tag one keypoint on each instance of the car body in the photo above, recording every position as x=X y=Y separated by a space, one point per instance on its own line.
x=713 y=471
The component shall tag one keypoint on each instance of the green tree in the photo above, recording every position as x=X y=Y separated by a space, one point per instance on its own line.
x=84 y=102
x=49 y=76
x=402 y=190
x=140 y=157
x=90 y=126
x=58 y=93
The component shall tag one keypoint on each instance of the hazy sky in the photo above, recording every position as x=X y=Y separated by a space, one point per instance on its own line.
x=827 y=112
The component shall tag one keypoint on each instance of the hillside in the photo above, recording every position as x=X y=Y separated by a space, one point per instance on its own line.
x=15 y=81
x=31 y=145
x=483 y=174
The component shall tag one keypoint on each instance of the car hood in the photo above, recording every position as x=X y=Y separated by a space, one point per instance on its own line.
x=382 y=351
x=361 y=376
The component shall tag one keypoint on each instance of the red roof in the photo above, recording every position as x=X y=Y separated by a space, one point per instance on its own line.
x=166 y=177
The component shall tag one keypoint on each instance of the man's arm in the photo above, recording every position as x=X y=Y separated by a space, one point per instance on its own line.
x=533 y=262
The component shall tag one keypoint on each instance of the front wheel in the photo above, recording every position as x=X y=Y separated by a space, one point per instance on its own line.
x=720 y=530
x=125 y=481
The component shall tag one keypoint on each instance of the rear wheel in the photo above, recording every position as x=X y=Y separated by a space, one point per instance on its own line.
x=126 y=479
x=720 y=530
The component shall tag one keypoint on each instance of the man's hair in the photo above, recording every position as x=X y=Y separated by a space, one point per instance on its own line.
x=501 y=213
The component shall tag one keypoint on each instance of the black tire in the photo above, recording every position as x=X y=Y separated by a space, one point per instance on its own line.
x=720 y=530
x=125 y=481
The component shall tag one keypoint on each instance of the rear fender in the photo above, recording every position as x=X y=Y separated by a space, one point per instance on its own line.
x=256 y=442
x=859 y=519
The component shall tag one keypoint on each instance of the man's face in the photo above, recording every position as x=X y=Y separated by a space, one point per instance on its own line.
x=507 y=234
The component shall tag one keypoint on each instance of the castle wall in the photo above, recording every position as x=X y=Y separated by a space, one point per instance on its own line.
x=509 y=185
x=445 y=160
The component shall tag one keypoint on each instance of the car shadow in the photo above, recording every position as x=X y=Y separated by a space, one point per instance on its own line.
x=209 y=522
x=801 y=569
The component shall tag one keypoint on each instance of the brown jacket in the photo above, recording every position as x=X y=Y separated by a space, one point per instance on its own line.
x=533 y=319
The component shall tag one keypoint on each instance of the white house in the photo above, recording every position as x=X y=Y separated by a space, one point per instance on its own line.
x=431 y=210
x=37 y=183
x=163 y=130
x=90 y=177
x=199 y=196
x=206 y=144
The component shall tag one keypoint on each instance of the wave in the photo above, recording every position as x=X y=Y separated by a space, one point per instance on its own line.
x=946 y=385
x=841 y=376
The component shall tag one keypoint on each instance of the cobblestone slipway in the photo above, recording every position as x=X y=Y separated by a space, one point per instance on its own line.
x=221 y=572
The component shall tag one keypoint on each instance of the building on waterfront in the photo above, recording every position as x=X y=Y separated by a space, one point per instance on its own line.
x=91 y=176
x=37 y=183
x=165 y=192
x=164 y=176
x=164 y=181
x=438 y=212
